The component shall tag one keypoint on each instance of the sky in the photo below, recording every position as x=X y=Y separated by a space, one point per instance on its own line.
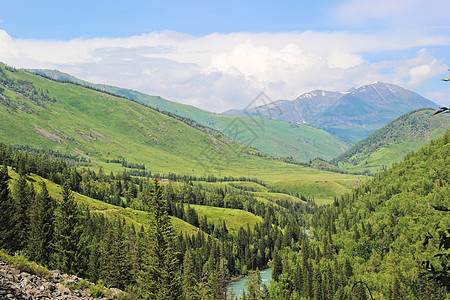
x=219 y=55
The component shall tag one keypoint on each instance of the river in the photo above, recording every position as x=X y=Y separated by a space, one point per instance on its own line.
x=238 y=286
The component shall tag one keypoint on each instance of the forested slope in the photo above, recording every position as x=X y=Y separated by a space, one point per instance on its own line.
x=120 y=230
x=373 y=239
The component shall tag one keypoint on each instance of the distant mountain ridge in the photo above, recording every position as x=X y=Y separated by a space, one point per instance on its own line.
x=301 y=111
x=351 y=115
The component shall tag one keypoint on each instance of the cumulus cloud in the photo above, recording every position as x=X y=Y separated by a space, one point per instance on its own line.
x=8 y=48
x=223 y=71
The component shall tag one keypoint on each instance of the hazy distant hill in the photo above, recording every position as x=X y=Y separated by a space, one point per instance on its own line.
x=391 y=143
x=352 y=115
x=280 y=139
x=303 y=110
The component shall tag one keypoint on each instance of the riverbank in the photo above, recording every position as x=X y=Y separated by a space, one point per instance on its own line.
x=237 y=287
x=242 y=276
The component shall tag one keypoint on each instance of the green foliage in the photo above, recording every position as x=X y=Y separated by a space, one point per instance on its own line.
x=190 y=283
x=97 y=291
x=158 y=278
x=6 y=205
x=40 y=233
x=82 y=285
x=22 y=193
x=374 y=236
x=67 y=233
x=20 y=262
x=255 y=287
x=117 y=264
x=439 y=270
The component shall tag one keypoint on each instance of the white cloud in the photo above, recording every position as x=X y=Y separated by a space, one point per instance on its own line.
x=264 y=65
x=343 y=60
x=223 y=71
x=7 y=46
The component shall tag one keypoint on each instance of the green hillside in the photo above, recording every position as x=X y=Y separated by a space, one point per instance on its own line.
x=101 y=128
x=373 y=242
x=392 y=142
x=233 y=218
x=277 y=138
x=131 y=216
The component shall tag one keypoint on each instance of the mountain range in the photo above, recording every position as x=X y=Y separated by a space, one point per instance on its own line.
x=351 y=115
x=316 y=124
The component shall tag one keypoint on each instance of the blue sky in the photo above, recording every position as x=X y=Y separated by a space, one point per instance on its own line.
x=219 y=55
x=73 y=19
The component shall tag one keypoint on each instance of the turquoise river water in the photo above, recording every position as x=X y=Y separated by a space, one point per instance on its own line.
x=238 y=286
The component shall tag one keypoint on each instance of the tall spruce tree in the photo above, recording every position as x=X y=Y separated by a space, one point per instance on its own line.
x=190 y=282
x=159 y=277
x=116 y=256
x=277 y=267
x=6 y=209
x=67 y=233
x=40 y=238
x=20 y=221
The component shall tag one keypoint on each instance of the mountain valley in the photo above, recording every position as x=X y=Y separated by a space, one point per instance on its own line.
x=216 y=208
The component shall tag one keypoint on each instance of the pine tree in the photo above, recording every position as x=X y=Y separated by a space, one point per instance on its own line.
x=159 y=277
x=41 y=227
x=317 y=284
x=20 y=219
x=6 y=209
x=117 y=263
x=190 y=283
x=67 y=233
x=359 y=292
x=215 y=272
x=277 y=267
x=395 y=295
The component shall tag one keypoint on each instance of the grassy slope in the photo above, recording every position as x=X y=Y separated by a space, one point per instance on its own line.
x=392 y=142
x=136 y=217
x=234 y=218
x=162 y=143
x=276 y=138
x=260 y=192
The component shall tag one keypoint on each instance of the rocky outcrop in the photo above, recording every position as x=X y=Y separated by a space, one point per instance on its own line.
x=15 y=284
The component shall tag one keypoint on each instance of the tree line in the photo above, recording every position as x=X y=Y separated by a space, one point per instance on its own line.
x=151 y=262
